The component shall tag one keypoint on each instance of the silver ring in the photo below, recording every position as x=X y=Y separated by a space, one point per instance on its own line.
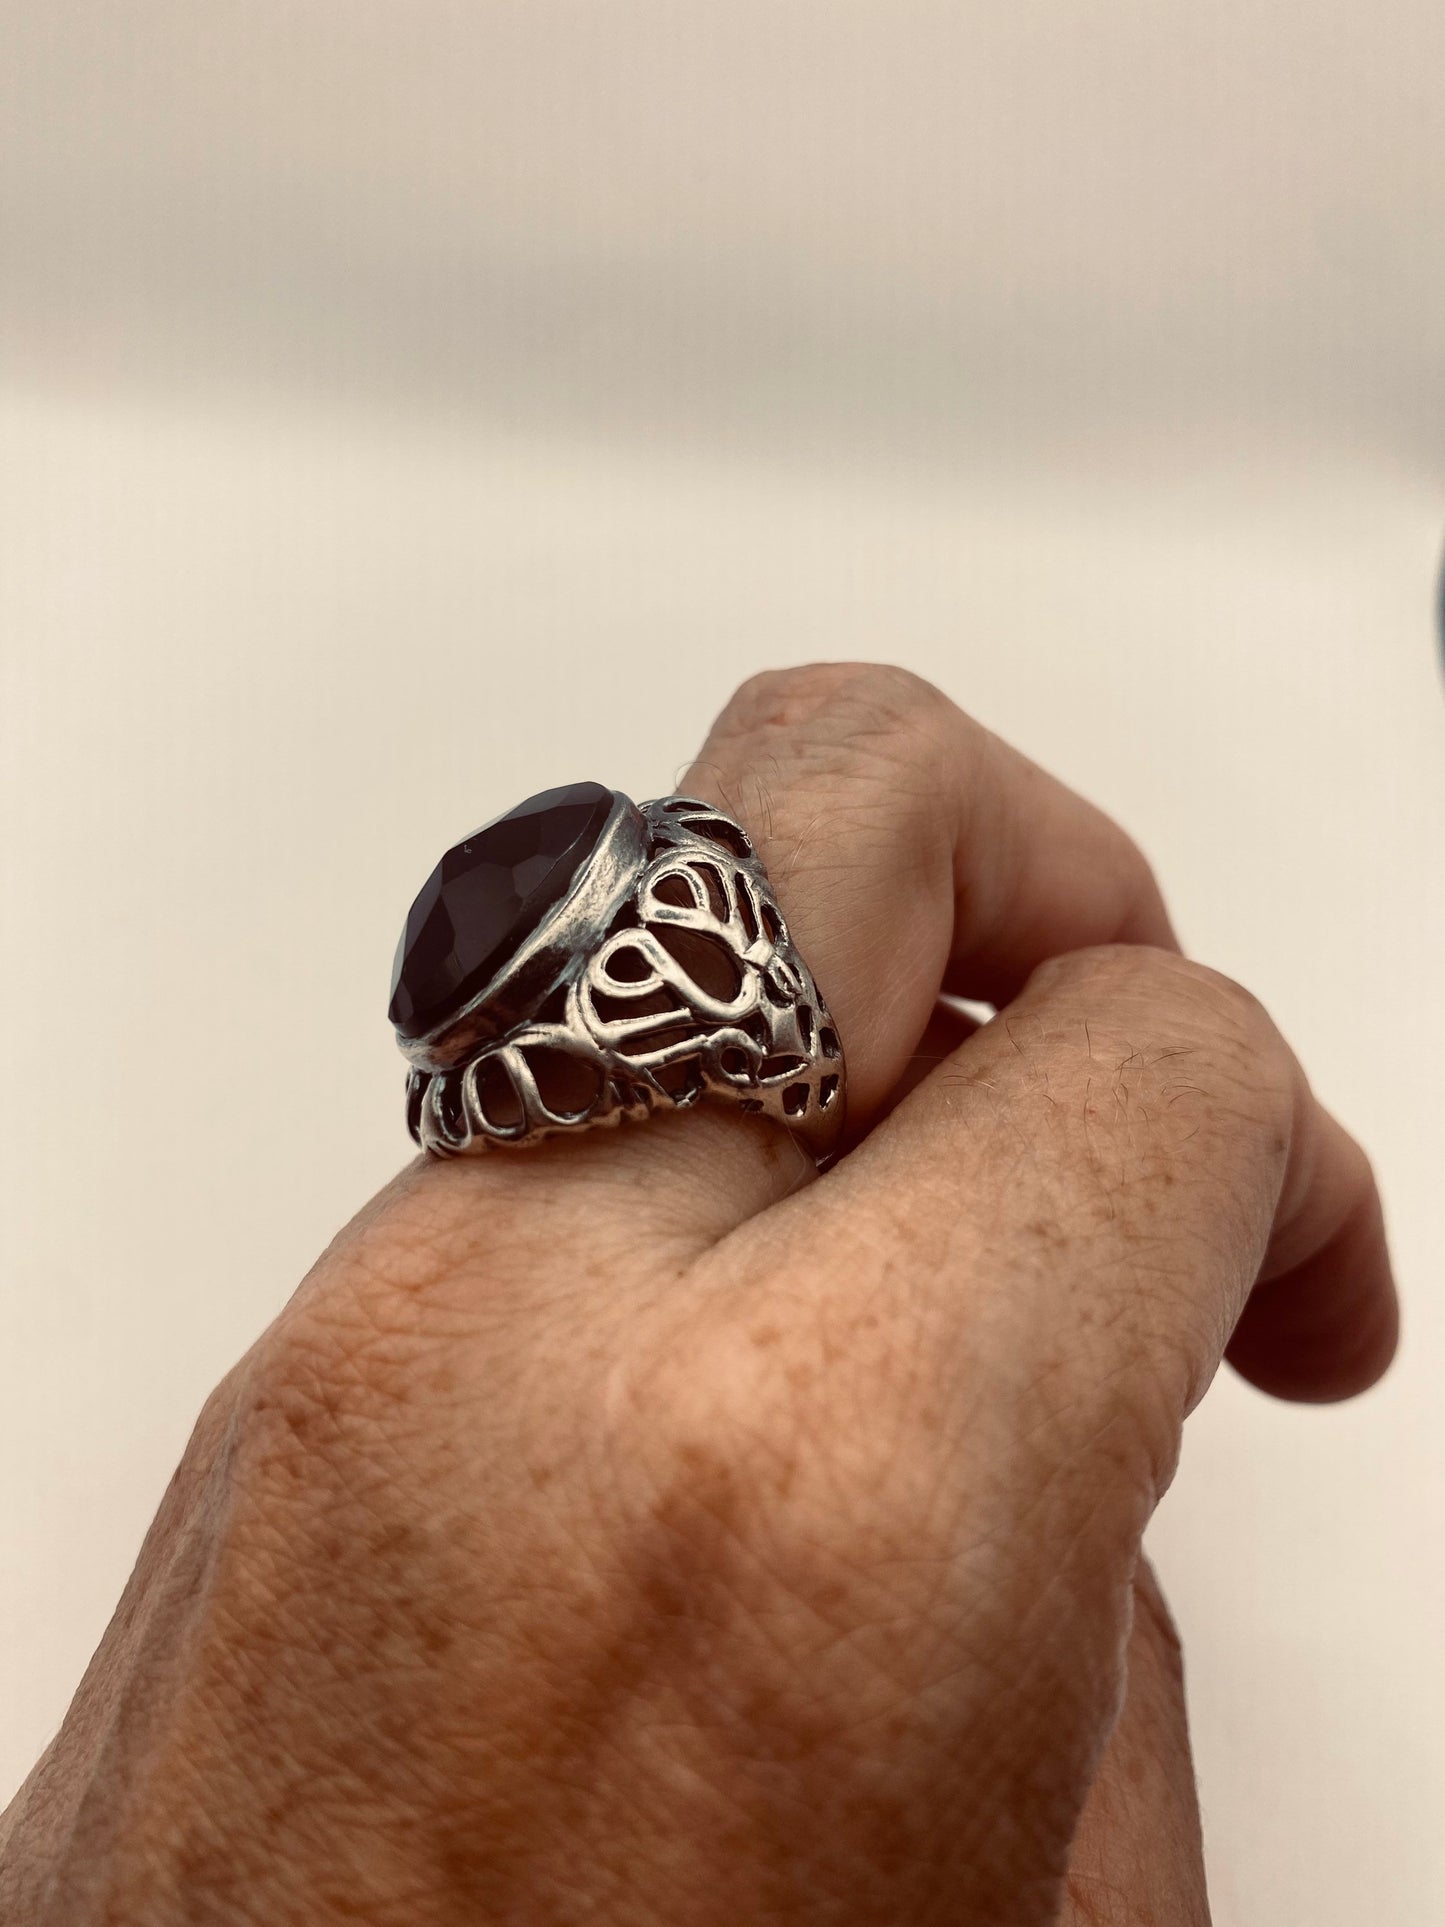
x=585 y=959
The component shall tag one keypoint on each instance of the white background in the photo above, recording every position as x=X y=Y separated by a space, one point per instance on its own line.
x=403 y=408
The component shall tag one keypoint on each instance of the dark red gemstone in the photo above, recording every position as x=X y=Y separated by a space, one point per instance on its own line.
x=485 y=896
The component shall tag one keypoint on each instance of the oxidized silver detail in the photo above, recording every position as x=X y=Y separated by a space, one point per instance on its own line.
x=666 y=976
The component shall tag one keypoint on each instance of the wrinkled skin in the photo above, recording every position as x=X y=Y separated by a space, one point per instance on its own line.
x=645 y=1530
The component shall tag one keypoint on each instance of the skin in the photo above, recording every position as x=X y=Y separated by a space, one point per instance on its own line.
x=645 y=1530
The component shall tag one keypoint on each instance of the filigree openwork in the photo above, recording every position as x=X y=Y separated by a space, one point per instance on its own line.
x=694 y=990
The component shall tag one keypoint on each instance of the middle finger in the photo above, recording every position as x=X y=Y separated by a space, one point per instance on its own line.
x=914 y=851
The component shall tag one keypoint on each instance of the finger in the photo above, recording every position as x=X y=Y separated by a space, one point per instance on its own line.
x=1119 y=1158
x=912 y=850
x=1312 y=1327
x=1138 y=1854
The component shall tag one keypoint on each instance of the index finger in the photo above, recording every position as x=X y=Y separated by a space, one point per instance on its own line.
x=1116 y=1161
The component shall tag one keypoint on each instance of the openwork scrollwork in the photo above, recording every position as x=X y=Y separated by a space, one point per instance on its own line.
x=694 y=990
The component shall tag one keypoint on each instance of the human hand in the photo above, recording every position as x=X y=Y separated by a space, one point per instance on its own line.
x=640 y=1529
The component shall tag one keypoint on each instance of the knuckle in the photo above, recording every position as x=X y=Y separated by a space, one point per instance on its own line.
x=343 y=1362
x=857 y=741
x=1166 y=982
x=835 y=702
x=805 y=1513
x=759 y=1408
x=711 y=1403
x=298 y=1382
x=335 y=1431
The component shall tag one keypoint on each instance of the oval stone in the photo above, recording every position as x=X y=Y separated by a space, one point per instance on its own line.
x=486 y=895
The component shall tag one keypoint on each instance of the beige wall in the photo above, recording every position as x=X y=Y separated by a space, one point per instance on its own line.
x=368 y=372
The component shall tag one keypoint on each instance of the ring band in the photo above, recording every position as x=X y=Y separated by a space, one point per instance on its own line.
x=585 y=959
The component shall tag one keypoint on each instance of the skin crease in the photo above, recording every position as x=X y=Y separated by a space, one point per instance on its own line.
x=644 y=1530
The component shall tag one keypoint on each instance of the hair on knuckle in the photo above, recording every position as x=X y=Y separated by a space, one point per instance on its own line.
x=1165 y=979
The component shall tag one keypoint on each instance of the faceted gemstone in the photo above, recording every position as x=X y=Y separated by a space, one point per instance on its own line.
x=485 y=896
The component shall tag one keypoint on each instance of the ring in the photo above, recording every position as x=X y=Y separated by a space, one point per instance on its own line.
x=585 y=959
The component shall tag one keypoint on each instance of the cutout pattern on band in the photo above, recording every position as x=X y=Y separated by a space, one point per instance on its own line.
x=696 y=990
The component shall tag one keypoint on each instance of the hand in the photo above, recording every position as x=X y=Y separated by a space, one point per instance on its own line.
x=641 y=1530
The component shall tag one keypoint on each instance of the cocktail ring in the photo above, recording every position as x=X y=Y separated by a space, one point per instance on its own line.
x=585 y=959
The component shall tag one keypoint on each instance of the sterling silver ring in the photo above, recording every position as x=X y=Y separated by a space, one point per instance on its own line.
x=585 y=959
